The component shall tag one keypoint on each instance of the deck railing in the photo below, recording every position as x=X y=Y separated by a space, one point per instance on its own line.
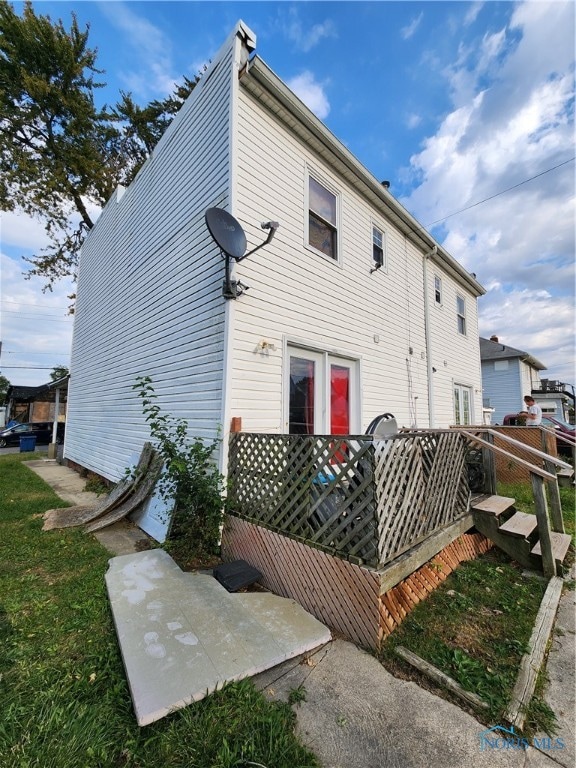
x=548 y=506
x=362 y=499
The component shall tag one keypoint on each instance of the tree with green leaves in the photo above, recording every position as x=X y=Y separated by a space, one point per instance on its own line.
x=58 y=372
x=4 y=384
x=61 y=155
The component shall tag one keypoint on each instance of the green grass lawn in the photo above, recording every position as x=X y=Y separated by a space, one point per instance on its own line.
x=64 y=698
x=476 y=626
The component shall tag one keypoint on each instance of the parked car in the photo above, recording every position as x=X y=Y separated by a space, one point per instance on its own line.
x=567 y=431
x=42 y=430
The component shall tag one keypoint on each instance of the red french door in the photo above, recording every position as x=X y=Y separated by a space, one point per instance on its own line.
x=322 y=393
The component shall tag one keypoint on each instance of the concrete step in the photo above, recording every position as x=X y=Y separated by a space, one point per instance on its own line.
x=520 y=525
x=560 y=544
x=493 y=505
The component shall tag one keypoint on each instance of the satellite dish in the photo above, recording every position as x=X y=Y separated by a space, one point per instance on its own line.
x=227 y=232
x=229 y=236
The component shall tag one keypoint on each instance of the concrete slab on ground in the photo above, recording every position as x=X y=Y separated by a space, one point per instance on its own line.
x=121 y=538
x=65 y=481
x=357 y=715
x=560 y=690
x=182 y=635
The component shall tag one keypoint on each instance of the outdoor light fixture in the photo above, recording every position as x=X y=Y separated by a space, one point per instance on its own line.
x=229 y=236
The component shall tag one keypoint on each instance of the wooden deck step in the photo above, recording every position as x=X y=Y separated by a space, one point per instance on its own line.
x=493 y=505
x=520 y=525
x=560 y=544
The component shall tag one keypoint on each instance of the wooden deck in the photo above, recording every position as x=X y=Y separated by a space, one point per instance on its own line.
x=345 y=596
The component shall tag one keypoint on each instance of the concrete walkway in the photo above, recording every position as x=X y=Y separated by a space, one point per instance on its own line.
x=357 y=715
x=122 y=538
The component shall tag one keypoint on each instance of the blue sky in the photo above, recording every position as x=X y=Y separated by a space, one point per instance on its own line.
x=453 y=102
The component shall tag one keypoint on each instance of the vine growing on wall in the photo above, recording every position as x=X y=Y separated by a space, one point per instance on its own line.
x=190 y=480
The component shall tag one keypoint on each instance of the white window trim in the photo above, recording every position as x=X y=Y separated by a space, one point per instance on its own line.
x=470 y=388
x=289 y=344
x=460 y=315
x=436 y=302
x=337 y=194
x=378 y=225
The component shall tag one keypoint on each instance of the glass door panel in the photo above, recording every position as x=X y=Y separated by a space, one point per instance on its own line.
x=322 y=394
x=339 y=400
x=303 y=400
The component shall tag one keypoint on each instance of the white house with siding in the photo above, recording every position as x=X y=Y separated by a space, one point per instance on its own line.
x=352 y=310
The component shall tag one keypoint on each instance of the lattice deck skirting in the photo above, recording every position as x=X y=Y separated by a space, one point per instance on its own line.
x=344 y=596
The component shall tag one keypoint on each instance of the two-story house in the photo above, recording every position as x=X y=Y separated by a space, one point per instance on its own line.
x=508 y=374
x=352 y=310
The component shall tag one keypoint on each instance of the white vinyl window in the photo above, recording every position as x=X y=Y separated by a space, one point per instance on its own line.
x=323 y=207
x=462 y=404
x=461 y=314
x=378 y=247
x=437 y=289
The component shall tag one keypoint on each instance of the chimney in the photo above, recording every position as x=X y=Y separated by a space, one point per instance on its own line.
x=494 y=339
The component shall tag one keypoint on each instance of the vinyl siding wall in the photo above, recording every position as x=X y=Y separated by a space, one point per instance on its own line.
x=455 y=356
x=149 y=291
x=502 y=387
x=297 y=295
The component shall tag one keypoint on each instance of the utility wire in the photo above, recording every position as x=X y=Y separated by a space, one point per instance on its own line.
x=503 y=192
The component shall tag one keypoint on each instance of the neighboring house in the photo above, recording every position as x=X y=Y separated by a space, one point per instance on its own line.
x=352 y=310
x=508 y=374
x=40 y=403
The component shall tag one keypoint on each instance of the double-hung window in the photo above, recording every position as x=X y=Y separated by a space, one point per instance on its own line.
x=378 y=247
x=322 y=219
x=461 y=314
x=437 y=290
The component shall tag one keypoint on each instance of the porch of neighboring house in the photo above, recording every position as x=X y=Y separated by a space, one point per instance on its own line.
x=46 y=402
x=359 y=530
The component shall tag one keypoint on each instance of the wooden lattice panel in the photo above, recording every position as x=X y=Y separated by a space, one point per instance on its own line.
x=362 y=500
x=342 y=595
x=421 y=486
x=314 y=488
x=509 y=471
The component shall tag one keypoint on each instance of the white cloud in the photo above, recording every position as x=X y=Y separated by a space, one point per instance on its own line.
x=413 y=120
x=472 y=13
x=512 y=119
x=550 y=342
x=152 y=49
x=306 y=37
x=407 y=31
x=311 y=93
x=22 y=231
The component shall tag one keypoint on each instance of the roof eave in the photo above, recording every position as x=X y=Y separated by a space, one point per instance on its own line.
x=269 y=89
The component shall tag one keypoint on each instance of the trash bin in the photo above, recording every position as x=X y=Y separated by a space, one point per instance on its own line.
x=28 y=443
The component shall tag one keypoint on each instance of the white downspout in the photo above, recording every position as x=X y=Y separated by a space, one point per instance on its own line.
x=428 y=339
